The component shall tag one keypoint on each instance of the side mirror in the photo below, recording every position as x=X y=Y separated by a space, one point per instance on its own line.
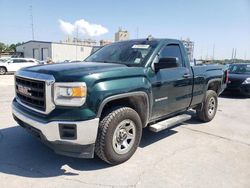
x=166 y=63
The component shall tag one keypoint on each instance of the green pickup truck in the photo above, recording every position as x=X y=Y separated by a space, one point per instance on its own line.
x=100 y=106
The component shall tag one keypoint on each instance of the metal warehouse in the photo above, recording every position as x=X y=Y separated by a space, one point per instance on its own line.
x=43 y=50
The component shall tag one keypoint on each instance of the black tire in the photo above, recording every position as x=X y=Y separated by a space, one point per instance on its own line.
x=208 y=110
x=3 y=70
x=104 y=148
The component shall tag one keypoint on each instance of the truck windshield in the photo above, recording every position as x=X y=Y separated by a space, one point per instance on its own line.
x=239 y=69
x=131 y=53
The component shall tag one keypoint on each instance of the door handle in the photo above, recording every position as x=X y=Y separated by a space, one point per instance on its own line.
x=186 y=75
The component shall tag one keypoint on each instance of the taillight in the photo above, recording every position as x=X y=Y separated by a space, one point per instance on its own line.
x=227 y=76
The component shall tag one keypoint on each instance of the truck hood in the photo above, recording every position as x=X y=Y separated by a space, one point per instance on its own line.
x=72 y=72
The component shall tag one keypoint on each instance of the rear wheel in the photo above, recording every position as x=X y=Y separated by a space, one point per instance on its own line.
x=3 y=70
x=209 y=107
x=119 y=135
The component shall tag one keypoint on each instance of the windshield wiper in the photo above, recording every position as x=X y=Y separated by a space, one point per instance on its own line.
x=105 y=61
x=118 y=62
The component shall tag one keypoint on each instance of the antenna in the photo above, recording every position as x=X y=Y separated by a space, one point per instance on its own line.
x=31 y=19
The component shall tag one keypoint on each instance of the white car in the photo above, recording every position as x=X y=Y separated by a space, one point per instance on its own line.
x=14 y=64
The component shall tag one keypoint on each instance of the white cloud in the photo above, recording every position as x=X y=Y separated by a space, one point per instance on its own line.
x=83 y=27
x=66 y=27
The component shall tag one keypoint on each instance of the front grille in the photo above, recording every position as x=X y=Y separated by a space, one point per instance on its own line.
x=31 y=92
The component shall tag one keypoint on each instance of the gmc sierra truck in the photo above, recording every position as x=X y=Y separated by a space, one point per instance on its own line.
x=100 y=106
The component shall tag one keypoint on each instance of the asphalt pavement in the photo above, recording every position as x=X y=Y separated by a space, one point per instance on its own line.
x=193 y=154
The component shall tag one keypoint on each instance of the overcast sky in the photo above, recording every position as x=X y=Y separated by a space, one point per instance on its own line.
x=224 y=24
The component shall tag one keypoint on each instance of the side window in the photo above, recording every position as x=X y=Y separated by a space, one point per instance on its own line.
x=23 y=61
x=20 y=61
x=16 y=61
x=172 y=50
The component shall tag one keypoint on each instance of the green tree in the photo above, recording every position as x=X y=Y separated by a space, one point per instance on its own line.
x=2 y=47
x=12 y=48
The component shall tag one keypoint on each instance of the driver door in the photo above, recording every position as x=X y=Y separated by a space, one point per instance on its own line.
x=172 y=87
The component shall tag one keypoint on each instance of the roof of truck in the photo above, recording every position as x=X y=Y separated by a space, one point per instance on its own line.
x=153 y=39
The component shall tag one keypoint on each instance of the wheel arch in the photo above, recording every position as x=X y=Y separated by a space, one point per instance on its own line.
x=215 y=85
x=139 y=101
x=1 y=66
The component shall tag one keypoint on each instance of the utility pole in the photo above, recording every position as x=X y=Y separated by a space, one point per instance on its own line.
x=32 y=24
x=232 y=58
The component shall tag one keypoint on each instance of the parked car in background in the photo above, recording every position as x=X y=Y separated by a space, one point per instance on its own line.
x=14 y=64
x=239 y=79
x=42 y=62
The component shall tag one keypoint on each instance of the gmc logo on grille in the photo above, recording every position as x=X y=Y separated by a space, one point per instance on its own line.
x=24 y=90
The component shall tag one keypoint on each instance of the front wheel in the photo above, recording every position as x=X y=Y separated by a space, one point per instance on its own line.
x=119 y=135
x=209 y=107
x=3 y=70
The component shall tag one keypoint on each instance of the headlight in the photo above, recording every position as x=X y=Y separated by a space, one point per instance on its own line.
x=247 y=81
x=70 y=93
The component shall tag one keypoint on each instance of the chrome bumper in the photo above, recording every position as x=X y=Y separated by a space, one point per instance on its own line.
x=86 y=130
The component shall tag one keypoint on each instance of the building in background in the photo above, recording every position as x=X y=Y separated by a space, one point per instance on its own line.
x=105 y=42
x=189 y=45
x=58 y=52
x=121 y=35
x=85 y=42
